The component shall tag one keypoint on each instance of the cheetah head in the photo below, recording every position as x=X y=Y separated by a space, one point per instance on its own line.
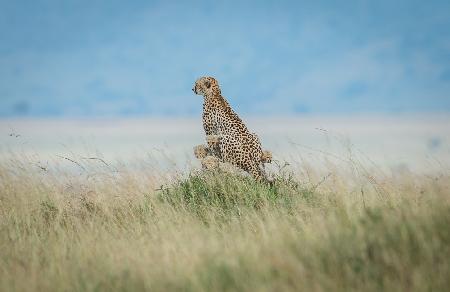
x=206 y=86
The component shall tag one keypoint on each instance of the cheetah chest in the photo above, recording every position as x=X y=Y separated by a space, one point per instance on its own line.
x=233 y=143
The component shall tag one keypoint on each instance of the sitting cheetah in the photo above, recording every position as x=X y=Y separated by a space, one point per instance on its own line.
x=227 y=136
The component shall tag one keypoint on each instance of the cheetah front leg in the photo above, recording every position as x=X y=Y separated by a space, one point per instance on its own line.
x=214 y=145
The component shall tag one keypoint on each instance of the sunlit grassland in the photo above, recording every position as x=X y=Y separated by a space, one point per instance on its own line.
x=119 y=228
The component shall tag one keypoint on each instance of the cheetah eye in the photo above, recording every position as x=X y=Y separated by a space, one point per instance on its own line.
x=207 y=84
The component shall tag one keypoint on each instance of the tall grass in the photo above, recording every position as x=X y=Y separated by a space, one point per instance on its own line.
x=135 y=229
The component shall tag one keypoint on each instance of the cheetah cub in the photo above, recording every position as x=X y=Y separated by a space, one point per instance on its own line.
x=228 y=139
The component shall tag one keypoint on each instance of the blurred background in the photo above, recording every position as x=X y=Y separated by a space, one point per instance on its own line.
x=117 y=75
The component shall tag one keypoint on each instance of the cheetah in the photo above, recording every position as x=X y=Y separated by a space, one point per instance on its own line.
x=228 y=138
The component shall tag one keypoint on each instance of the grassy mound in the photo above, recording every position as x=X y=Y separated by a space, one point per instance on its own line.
x=228 y=194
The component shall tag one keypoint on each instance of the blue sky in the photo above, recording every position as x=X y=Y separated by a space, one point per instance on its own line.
x=126 y=58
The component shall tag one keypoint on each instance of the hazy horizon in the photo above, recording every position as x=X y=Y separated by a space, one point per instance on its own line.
x=419 y=143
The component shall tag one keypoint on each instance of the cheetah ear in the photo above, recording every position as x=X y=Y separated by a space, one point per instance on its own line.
x=207 y=84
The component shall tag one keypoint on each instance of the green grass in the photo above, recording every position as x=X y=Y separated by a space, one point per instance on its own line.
x=133 y=230
x=227 y=194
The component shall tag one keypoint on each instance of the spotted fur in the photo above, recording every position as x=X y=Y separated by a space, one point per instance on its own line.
x=231 y=141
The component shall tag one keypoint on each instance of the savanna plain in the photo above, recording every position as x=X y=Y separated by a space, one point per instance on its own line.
x=78 y=220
